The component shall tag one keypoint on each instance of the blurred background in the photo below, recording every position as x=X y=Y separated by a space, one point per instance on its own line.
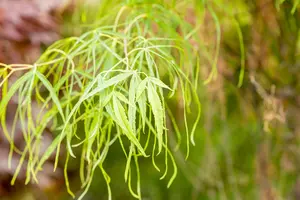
x=247 y=143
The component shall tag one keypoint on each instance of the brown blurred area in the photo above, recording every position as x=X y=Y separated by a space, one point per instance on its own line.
x=26 y=25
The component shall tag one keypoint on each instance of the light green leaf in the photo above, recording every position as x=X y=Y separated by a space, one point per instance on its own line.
x=121 y=97
x=132 y=107
x=12 y=90
x=48 y=152
x=89 y=94
x=107 y=99
x=123 y=122
x=159 y=83
x=141 y=88
x=157 y=110
x=51 y=90
x=107 y=83
x=142 y=100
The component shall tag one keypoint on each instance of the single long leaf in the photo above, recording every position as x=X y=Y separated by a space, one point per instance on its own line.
x=51 y=90
x=159 y=83
x=132 y=106
x=124 y=124
x=157 y=110
x=141 y=88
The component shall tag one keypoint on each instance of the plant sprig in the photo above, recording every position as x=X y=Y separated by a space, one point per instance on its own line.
x=109 y=97
x=110 y=81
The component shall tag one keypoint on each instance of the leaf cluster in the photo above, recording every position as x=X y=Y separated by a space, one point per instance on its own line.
x=104 y=87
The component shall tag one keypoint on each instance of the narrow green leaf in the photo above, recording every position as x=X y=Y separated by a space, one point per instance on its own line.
x=51 y=90
x=66 y=176
x=142 y=100
x=12 y=90
x=157 y=110
x=107 y=83
x=159 y=83
x=124 y=124
x=48 y=152
x=122 y=97
x=132 y=107
x=128 y=161
x=141 y=88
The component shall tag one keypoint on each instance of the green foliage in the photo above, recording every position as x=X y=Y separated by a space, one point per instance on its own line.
x=101 y=88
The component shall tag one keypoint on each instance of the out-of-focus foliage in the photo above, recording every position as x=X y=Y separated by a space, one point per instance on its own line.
x=247 y=143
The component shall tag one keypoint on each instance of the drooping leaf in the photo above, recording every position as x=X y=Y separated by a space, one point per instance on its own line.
x=157 y=110
x=123 y=122
x=141 y=88
x=159 y=83
x=51 y=90
x=132 y=104
x=12 y=90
